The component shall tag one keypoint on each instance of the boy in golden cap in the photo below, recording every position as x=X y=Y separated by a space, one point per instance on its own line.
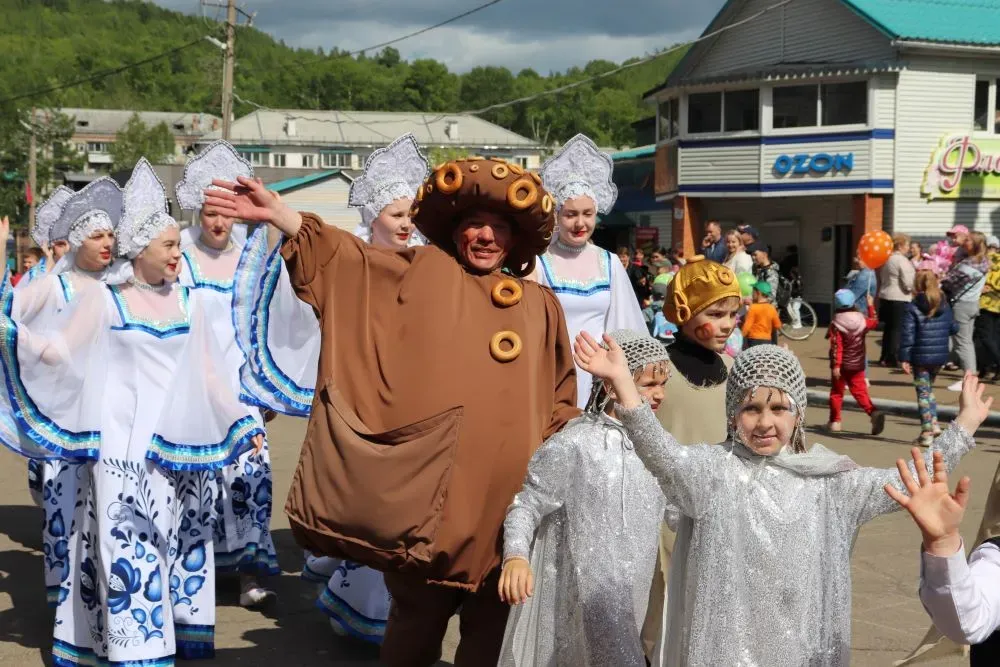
x=702 y=301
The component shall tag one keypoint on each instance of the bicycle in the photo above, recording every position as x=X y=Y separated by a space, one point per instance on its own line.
x=798 y=317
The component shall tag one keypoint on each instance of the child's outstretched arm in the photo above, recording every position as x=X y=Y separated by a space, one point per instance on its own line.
x=684 y=473
x=962 y=598
x=953 y=444
x=550 y=471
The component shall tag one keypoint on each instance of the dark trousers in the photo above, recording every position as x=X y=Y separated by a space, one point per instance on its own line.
x=891 y=315
x=419 y=615
x=986 y=338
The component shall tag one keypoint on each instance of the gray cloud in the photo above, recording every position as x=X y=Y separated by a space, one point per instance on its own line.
x=547 y=35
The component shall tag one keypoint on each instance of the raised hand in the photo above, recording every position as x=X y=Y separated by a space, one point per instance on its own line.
x=248 y=199
x=599 y=362
x=936 y=511
x=972 y=408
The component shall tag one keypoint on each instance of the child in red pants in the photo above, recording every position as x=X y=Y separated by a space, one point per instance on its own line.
x=847 y=359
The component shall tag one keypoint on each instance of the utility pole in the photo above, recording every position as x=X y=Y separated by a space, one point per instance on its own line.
x=32 y=174
x=229 y=57
x=227 y=70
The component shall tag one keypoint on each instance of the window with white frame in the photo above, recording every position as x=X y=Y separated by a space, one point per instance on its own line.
x=520 y=161
x=704 y=112
x=670 y=117
x=742 y=110
x=278 y=160
x=307 y=161
x=256 y=158
x=98 y=146
x=820 y=105
x=986 y=117
x=336 y=160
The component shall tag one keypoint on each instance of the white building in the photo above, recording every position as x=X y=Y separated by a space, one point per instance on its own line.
x=343 y=139
x=822 y=119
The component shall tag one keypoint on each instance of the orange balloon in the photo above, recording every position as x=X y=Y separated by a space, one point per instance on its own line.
x=874 y=249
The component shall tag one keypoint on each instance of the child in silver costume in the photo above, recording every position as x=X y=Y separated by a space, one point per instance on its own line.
x=580 y=539
x=765 y=577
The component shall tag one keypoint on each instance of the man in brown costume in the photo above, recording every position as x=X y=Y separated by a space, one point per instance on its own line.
x=440 y=374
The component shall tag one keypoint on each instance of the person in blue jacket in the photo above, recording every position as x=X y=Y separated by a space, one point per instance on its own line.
x=927 y=326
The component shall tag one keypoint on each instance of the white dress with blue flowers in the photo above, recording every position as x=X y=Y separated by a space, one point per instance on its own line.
x=280 y=337
x=128 y=387
x=243 y=503
x=54 y=483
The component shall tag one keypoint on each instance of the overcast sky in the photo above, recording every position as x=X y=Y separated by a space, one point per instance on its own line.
x=545 y=35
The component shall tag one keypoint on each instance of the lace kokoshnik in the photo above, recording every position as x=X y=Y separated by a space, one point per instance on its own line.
x=144 y=214
x=394 y=172
x=581 y=169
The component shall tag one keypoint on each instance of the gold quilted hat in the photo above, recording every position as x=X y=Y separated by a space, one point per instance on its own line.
x=698 y=285
x=476 y=183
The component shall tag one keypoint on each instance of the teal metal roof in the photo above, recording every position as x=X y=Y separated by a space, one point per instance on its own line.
x=293 y=183
x=635 y=153
x=948 y=21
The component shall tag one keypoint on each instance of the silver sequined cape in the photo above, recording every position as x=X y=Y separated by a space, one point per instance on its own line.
x=766 y=581
x=597 y=512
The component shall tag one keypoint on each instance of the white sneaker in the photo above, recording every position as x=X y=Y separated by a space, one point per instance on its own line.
x=254 y=595
x=955 y=387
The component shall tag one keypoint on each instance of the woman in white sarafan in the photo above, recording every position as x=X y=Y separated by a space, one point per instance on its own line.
x=280 y=336
x=86 y=220
x=128 y=384
x=211 y=251
x=590 y=282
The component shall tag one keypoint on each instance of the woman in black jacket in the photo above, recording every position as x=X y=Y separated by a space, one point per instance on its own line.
x=926 y=328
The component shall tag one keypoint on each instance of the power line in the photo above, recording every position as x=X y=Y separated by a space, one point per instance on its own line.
x=427 y=29
x=102 y=74
x=560 y=89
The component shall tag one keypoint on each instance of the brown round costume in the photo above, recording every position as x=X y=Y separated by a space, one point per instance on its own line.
x=421 y=430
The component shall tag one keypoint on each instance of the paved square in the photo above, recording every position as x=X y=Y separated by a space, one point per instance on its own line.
x=888 y=618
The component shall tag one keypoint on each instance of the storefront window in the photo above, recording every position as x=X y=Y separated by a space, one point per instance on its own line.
x=845 y=103
x=742 y=110
x=982 y=111
x=795 y=106
x=704 y=112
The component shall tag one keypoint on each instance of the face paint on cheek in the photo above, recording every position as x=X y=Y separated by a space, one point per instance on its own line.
x=705 y=332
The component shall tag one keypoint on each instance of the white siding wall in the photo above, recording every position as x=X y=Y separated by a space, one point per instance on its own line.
x=727 y=164
x=935 y=98
x=882 y=103
x=862 y=161
x=328 y=200
x=804 y=31
x=810 y=214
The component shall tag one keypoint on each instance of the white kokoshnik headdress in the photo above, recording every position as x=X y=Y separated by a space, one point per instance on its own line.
x=394 y=172
x=144 y=216
x=578 y=170
x=97 y=207
x=219 y=161
x=47 y=214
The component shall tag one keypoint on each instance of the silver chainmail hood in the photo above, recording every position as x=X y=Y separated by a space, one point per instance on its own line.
x=640 y=350
x=766 y=366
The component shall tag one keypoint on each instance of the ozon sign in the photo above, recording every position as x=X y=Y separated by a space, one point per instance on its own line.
x=819 y=163
x=963 y=167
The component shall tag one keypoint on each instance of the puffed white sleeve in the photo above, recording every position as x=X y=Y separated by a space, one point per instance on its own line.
x=963 y=598
x=277 y=332
x=624 y=312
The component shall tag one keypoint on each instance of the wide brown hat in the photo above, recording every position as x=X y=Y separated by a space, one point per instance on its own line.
x=476 y=183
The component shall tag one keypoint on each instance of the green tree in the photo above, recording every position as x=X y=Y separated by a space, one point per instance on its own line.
x=54 y=156
x=137 y=140
x=429 y=86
